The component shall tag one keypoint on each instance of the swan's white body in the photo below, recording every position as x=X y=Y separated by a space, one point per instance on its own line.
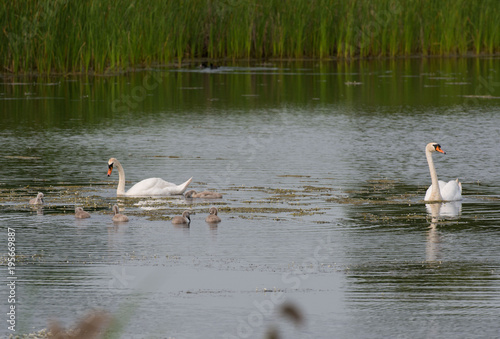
x=147 y=187
x=440 y=190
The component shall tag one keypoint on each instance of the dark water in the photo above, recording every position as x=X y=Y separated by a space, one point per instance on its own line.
x=323 y=172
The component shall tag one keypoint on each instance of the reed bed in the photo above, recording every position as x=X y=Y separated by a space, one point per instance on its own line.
x=103 y=35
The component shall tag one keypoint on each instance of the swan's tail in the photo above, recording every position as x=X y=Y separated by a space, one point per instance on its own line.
x=184 y=186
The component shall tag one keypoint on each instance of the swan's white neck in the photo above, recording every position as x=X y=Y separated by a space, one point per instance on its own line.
x=121 y=178
x=435 y=191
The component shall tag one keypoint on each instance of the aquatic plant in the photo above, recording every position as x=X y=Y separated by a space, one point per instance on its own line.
x=110 y=35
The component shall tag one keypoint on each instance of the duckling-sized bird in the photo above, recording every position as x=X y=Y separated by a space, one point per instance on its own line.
x=38 y=200
x=118 y=217
x=184 y=220
x=81 y=214
x=203 y=195
x=212 y=217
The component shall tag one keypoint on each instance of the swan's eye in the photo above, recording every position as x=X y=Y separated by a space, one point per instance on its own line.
x=110 y=166
x=439 y=149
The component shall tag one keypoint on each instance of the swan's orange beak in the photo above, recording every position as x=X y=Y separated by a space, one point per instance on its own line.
x=110 y=169
x=439 y=149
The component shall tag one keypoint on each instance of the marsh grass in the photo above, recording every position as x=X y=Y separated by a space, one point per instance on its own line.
x=110 y=35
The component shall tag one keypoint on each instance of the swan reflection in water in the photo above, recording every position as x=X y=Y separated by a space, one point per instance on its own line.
x=439 y=211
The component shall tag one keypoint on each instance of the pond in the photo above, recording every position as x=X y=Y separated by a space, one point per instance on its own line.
x=323 y=172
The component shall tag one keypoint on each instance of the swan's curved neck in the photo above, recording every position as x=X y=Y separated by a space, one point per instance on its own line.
x=121 y=178
x=435 y=192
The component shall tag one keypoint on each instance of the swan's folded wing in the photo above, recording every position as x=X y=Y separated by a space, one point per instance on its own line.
x=157 y=187
x=451 y=191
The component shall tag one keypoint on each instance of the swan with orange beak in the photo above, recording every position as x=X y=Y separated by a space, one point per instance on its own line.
x=147 y=187
x=440 y=190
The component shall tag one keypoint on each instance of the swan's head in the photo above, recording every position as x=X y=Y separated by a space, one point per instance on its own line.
x=189 y=194
x=186 y=214
x=434 y=147
x=78 y=209
x=110 y=165
x=39 y=196
x=116 y=210
x=213 y=210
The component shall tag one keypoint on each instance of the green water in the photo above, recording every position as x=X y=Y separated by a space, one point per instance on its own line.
x=322 y=170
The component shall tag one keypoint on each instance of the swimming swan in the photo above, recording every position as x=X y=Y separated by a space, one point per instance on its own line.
x=81 y=214
x=185 y=219
x=204 y=194
x=118 y=217
x=212 y=217
x=38 y=200
x=146 y=187
x=440 y=190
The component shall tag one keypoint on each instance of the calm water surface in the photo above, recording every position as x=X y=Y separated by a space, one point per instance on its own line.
x=323 y=172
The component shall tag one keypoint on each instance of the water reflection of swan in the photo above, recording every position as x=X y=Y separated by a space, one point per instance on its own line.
x=38 y=209
x=448 y=209
x=440 y=190
x=437 y=211
x=146 y=187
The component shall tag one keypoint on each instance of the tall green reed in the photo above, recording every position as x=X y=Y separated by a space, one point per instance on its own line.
x=111 y=35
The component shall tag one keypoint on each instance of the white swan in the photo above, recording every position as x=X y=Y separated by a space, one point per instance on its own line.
x=146 y=187
x=440 y=190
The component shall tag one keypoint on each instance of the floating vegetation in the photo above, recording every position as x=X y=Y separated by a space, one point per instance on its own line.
x=384 y=218
x=311 y=211
x=481 y=96
x=353 y=83
x=20 y=157
x=42 y=334
x=277 y=204
x=22 y=259
x=257 y=210
x=317 y=189
x=293 y=176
